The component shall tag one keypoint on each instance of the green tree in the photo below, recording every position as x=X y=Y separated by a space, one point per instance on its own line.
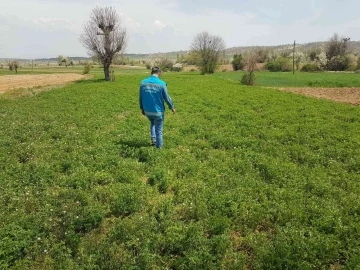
x=237 y=62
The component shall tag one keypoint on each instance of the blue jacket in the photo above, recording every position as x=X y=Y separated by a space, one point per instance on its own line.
x=153 y=93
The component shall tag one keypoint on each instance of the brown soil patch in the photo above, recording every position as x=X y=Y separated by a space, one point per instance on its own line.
x=12 y=82
x=344 y=95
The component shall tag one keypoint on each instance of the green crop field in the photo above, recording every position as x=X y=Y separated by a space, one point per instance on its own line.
x=249 y=178
x=299 y=79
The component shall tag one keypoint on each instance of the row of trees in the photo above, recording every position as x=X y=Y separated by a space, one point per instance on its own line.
x=335 y=56
x=105 y=38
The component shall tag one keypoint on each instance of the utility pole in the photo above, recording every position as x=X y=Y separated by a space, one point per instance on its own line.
x=294 y=59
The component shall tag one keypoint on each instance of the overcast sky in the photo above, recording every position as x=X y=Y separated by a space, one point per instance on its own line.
x=48 y=28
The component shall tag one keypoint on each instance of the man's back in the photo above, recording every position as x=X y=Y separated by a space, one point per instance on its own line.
x=153 y=92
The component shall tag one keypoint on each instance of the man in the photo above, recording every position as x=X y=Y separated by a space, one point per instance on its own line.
x=153 y=93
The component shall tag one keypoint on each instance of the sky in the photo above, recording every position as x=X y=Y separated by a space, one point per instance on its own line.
x=33 y=29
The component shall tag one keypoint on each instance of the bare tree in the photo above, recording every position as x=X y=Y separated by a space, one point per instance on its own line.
x=13 y=65
x=208 y=49
x=250 y=67
x=336 y=46
x=104 y=36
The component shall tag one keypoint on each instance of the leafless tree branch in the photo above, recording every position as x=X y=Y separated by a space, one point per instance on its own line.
x=208 y=48
x=104 y=35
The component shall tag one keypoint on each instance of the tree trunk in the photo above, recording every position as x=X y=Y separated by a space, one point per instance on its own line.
x=107 y=72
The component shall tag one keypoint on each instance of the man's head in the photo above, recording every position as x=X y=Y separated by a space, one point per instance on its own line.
x=156 y=71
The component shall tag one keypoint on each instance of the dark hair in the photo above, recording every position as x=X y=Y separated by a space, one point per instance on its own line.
x=155 y=70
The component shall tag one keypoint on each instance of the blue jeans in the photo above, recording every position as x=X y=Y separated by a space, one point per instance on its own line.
x=156 y=129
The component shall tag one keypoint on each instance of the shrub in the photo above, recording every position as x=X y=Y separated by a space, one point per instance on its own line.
x=338 y=63
x=87 y=68
x=177 y=67
x=248 y=79
x=148 y=65
x=237 y=62
x=165 y=64
x=14 y=65
x=272 y=66
x=310 y=67
x=285 y=64
x=353 y=62
x=279 y=64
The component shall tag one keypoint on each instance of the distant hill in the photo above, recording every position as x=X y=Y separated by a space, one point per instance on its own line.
x=353 y=46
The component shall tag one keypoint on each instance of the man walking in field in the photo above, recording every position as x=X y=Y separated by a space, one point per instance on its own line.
x=153 y=93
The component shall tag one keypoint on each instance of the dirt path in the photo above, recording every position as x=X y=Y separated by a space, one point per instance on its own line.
x=12 y=82
x=344 y=95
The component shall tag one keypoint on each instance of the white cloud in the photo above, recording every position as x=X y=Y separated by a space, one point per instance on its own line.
x=130 y=23
x=160 y=25
x=54 y=24
x=48 y=22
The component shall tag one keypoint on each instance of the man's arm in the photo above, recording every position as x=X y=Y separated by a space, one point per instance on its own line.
x=168 y=99
x=140 y=102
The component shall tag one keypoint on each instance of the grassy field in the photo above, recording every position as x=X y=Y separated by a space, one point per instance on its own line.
x=96 y=70
x=249 y=178
x=299 y=79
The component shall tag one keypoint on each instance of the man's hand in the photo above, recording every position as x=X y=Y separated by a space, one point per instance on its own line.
x=173 y=110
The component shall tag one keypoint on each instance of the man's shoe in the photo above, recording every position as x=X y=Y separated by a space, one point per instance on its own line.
x=153 y=142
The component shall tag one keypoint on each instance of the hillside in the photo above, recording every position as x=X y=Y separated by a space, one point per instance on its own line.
x=354 y=46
